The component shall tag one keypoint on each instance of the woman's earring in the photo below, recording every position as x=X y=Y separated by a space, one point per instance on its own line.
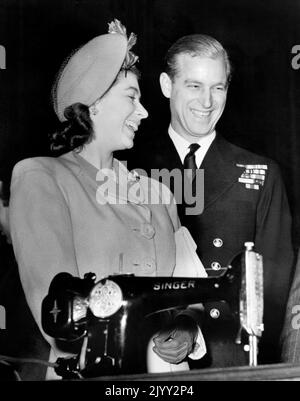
x=93 y=109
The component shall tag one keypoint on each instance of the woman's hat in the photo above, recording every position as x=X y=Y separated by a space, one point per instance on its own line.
x=89 y=72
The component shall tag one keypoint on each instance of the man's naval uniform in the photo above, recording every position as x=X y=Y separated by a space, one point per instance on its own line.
x=244 y=200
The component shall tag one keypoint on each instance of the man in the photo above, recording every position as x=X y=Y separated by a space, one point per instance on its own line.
x=244 y=196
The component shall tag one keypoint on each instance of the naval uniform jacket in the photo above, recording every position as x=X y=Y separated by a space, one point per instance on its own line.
x=233 y=214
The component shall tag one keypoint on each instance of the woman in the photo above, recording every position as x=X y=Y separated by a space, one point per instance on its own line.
x=83 y=211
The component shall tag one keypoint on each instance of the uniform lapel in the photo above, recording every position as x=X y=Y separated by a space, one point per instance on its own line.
x=220 y=171
x=219 y=164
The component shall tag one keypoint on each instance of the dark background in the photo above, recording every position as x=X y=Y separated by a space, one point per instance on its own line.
x=263 y=107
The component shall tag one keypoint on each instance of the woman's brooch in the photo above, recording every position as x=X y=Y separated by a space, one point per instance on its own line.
x=133 y=176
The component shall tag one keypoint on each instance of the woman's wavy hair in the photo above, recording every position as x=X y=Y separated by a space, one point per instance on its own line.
x=77 y=130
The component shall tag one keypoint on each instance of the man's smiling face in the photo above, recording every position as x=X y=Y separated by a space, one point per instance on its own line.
x=197 y=95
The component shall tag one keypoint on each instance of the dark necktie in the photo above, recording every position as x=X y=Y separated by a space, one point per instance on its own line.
x=190 y=161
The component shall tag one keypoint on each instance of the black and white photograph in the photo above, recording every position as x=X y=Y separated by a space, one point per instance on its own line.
x=149 y=193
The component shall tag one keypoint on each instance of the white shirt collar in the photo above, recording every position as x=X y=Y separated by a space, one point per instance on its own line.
x=182 y=145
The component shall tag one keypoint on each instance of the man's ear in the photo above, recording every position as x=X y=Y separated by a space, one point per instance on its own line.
x=165 y=84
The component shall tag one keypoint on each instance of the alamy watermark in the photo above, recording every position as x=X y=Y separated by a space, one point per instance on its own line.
x=2 y=58
x=118 y=186
x=296 y=59
x=2 y=318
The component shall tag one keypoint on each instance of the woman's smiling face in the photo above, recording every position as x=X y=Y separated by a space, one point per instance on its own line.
x=119 y=114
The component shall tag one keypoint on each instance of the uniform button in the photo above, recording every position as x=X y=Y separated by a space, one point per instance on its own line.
x=216 y=266
x=148 y=265
x=147 y=230
x=217 y=242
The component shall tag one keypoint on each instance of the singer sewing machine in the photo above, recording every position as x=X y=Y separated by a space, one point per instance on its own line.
x=103 y=316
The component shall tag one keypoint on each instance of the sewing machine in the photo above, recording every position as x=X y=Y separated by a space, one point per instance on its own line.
x=101 y=318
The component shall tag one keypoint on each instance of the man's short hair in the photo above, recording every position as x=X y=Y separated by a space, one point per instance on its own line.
x=196 y=45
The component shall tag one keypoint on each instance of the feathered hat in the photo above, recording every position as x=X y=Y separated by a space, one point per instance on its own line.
x=90 y=71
